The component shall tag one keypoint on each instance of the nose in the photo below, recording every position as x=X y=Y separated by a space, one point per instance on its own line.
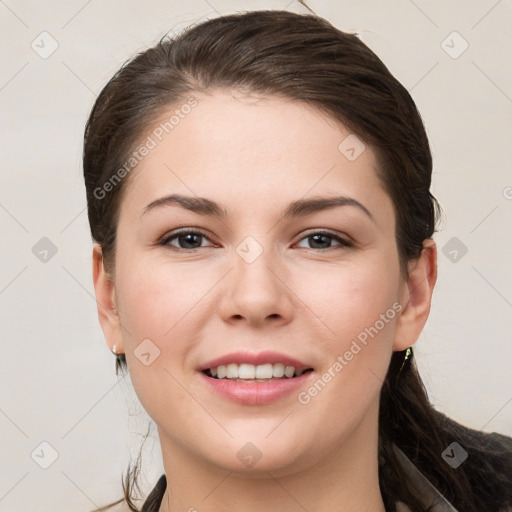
x=255 y=292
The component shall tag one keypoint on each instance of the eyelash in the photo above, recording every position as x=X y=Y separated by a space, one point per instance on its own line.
x=343 y=243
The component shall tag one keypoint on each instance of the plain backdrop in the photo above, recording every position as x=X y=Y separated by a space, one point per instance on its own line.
x=57 y=374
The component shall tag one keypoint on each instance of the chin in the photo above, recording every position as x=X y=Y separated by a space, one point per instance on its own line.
x=254 y=452
x=252 y=462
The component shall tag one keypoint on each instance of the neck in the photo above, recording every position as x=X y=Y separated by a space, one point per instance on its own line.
x=346 y=479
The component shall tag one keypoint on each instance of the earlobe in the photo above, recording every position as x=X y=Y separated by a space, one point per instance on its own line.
x=417 y=297
x=104 y=288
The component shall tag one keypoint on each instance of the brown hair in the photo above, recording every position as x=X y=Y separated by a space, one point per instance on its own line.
x=305 y=58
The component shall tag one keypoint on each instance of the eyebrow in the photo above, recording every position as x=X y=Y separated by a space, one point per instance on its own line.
x=300 y=207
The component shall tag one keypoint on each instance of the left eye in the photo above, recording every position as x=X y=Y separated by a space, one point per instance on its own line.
x=191 y=239
x=319 y=239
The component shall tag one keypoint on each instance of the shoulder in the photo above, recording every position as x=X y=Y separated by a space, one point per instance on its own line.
x=488 y=460
x=483 y=470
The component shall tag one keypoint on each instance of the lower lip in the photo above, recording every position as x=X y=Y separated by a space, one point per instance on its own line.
x=255 y=393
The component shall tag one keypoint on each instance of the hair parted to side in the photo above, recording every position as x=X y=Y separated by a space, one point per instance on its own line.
x=305 y=58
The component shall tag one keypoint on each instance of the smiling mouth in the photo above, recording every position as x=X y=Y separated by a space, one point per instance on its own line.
x=255 y=373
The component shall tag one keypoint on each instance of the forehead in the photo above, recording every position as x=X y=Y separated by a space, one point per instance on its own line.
x=239 y=147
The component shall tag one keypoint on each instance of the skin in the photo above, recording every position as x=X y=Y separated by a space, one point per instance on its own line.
x=254 y=155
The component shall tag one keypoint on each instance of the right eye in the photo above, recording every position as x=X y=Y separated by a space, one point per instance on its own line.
x=187 y=238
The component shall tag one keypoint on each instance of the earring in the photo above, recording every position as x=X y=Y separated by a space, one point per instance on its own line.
x=114 y=349
x=408 y=352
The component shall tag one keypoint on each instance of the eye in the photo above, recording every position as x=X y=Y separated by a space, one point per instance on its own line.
x=187 y=239
x=190 y=239
x=321 y=238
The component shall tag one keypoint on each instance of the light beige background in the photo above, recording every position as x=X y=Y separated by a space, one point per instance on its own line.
x=57 y=374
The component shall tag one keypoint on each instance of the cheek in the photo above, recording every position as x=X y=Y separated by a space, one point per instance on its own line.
x=360 y=308
x=155 y=309
x=355 y=359
x=355 y=298
x=157 y=300
x=160 y=305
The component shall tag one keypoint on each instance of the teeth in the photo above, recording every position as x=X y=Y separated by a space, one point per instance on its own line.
x=264 y=371
x=278 y=370
x=252 y=372
x=289 y=371
x=232 y=371
x=247 y=371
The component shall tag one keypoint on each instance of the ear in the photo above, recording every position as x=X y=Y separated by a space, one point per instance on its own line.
x=416 y=297
x=106 y=301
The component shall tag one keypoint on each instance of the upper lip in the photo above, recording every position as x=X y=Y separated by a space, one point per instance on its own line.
x=256 y=359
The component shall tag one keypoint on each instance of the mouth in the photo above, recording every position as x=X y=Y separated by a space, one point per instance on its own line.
x=255 y=379
x=246 y=372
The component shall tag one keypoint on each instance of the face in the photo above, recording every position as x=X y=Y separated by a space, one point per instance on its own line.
x=260 y=280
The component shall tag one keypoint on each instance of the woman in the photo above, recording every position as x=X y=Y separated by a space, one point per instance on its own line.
x=258 y=195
